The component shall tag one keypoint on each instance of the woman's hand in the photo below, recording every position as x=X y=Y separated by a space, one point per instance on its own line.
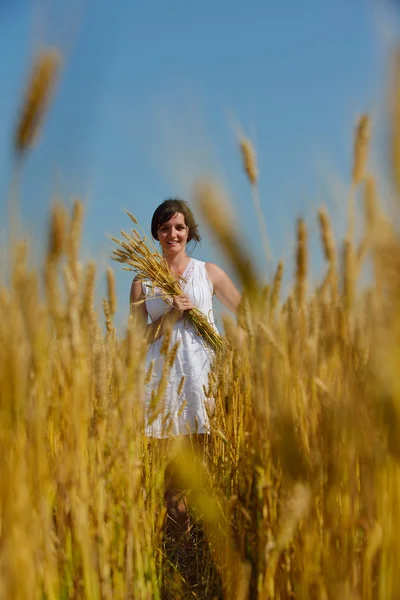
x=182 y=303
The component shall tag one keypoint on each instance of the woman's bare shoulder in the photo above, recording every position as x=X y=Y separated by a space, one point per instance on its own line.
x=136 y=287
x=213 y=271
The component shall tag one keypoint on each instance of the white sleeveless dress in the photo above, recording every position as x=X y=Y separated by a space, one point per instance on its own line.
x=185 y=412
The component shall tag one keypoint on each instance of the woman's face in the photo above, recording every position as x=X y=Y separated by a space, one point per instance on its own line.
x=173 y=235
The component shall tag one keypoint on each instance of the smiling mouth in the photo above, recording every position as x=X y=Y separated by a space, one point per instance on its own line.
x=172 y=243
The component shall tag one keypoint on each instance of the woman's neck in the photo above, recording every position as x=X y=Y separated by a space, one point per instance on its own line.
x=178 y=263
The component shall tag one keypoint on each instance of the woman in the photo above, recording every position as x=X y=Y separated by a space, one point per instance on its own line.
x=184 y=406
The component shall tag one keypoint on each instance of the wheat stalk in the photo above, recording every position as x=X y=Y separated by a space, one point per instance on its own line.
x=361 y=147
x=301 y=262
x=360 y=158
x=37 y=98
x=249 y=162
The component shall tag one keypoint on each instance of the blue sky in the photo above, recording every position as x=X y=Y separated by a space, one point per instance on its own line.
x=149 y=95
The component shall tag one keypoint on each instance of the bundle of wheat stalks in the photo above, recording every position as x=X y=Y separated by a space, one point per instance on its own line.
x=142 y=257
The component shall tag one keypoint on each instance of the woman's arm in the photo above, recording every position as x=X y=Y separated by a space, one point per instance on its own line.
x=157 y=328
x=224 y=288
x=230 y=297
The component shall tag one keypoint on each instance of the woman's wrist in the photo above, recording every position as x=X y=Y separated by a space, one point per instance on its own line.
x=176 y=314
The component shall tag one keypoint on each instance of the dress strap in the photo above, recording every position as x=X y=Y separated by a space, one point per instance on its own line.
x=187 y=275
x=147 y=287
x=206 y=278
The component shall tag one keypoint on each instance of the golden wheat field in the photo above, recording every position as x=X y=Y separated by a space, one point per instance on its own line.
x=297 y=493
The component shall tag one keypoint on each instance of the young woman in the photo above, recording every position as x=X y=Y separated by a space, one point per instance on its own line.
x=183 y=410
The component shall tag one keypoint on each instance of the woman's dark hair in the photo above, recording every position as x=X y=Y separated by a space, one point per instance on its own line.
x=167 y=210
